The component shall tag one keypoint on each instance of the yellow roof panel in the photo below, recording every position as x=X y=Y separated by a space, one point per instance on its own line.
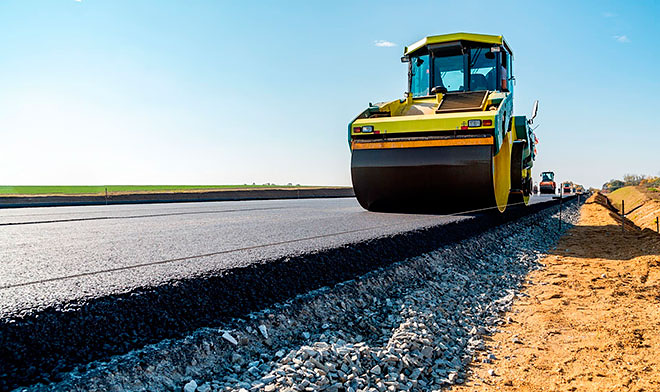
x=436 y=39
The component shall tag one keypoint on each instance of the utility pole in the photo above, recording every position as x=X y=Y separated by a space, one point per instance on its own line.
x=560 y=199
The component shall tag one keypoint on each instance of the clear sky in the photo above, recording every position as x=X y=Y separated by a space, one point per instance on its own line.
x=213 y=92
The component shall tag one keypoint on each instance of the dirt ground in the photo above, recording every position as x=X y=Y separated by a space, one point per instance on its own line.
x=588 y=321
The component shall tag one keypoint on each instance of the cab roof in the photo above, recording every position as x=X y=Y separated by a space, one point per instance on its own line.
x=471 y=37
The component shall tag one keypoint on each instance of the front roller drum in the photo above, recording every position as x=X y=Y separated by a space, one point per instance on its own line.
x=427 y=179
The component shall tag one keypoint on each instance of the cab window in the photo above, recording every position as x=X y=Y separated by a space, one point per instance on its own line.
x=448 y=72
x=506 y=61
x=483 y=71
x=419 y=76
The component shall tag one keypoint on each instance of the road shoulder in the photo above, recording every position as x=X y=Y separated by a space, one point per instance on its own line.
x=587 y=321
x=23 y=201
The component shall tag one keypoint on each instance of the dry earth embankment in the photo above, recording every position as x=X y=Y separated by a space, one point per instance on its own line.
x=641 y=206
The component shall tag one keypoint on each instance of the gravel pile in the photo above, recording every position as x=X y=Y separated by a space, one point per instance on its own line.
x=413 y=325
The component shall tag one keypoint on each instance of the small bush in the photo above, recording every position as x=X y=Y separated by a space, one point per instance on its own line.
x=653 y=182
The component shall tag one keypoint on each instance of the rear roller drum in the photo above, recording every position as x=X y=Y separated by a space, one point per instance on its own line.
x=521 y=182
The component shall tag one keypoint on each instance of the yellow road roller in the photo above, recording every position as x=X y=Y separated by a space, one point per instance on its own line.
x=452 y=144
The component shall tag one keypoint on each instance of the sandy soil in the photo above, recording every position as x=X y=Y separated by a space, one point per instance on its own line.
x=588 y=321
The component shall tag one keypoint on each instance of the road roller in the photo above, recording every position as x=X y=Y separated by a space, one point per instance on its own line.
x=452 y=143
x=548 y=184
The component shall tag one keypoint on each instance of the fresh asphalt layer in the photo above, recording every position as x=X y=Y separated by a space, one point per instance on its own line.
x=55 y=255
x=80 y=284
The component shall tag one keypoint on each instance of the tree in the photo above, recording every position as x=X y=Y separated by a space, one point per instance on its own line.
x=633 y=179
x=613 y=185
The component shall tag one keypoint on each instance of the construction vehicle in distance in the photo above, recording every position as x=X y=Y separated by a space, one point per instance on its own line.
x=452 y=144
x=548 y=185
x=568 y=188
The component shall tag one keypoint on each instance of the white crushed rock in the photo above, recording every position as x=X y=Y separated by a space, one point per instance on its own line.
x=227 y=336
x=191 y=386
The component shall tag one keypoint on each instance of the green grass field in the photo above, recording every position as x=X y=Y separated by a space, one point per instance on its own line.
x=100 y=189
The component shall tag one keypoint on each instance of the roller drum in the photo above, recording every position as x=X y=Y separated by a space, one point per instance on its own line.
x=428 y=179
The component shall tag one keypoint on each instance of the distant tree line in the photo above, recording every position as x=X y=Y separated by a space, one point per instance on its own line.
x=650 y=182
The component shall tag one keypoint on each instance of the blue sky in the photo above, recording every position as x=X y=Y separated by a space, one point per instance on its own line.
x=211 y=92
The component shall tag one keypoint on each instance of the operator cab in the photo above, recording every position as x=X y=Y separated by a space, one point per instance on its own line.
x=547 y=177
x=459 y=66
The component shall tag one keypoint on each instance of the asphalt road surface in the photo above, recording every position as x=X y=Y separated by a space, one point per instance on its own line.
x=55 y=255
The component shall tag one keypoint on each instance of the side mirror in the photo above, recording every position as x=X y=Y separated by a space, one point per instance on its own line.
x=405 y=59
x=439 y=89
x=535 y=110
